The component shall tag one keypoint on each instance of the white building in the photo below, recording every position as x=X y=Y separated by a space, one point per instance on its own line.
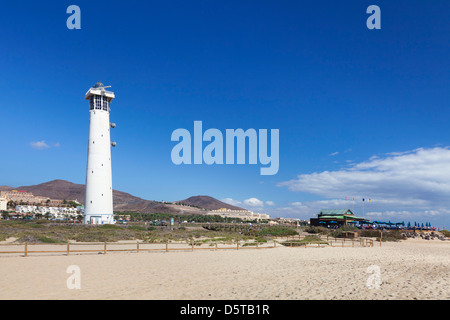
x=98 y=207
x=3 y=204
x=54 y=212
x=240 y=214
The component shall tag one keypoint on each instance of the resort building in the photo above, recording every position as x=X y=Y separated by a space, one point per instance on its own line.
x=19 y=196
x=3 y=204
x=239 y=214
x=335 y=217
x=292 y=221
x=54 y=212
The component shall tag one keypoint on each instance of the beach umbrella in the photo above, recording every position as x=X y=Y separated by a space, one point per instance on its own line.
x=409 y=224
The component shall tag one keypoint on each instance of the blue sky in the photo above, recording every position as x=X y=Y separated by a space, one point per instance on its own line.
x=361 y=113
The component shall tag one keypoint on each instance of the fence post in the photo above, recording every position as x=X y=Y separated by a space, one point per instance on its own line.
x=104 y=250
x=192 y=245
x=68 y=247
x=137 y=246
x=26 y=249
x=167 y=245
x=257 y=244
x=216 y=245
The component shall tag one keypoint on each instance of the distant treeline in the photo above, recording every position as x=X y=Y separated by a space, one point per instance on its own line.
x=137 y=216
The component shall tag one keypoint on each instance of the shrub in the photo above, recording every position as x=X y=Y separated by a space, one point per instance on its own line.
x=137 y=228
x=109 y=226
x=277 y=231
x=306 y=240
x=314 y=230
x=45 y=239
x=445 y=233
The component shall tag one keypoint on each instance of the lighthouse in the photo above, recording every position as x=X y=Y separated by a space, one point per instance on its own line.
x=98 y=206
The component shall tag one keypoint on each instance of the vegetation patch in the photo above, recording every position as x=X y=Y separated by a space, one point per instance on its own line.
x=277 y=231
x=445 y=233
x=307 y=240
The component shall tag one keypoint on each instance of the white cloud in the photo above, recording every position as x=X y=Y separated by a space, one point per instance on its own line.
x=419 y=175
x=334 y=154
x=254 y=202
x=231 y=201
x=39 y=145
x=250 y=202
x=399 y=184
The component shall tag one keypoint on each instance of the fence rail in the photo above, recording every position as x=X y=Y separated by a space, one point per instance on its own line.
x=105 y=247
x=137 y=247
x=293 y=241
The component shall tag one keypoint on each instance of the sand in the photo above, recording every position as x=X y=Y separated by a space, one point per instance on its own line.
x=411 y=269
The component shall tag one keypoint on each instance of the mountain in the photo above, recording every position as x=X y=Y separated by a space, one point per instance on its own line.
x=208 y=203
x=65 y=190
x=57 y=189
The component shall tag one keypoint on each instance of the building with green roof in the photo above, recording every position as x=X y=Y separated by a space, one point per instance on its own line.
x=335 y=217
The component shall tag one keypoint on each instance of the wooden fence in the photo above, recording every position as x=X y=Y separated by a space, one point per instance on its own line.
x=105 y=247
x=294 y=241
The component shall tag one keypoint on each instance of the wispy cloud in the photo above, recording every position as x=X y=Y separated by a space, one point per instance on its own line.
x=254 y=202
x=250 y=202
x=413 y=182
x=39 y=145
x=232 y=201
x=334 y=154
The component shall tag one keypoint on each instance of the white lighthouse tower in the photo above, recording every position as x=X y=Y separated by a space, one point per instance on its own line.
x=98 y=207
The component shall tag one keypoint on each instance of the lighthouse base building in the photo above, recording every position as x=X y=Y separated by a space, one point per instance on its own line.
x=98 y=206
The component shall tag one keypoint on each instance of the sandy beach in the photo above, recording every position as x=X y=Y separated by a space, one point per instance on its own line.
x=411 y=269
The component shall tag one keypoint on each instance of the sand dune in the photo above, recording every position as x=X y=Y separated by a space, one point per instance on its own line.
x=412 y=269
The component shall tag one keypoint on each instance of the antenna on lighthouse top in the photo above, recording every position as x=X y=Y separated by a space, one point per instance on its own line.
x=99 y=87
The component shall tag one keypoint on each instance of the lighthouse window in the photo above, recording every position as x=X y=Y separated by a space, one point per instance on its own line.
x=91 y=103
x=105 y=103
x=98 y=102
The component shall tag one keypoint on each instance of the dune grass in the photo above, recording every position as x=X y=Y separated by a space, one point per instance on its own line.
x=37 y=231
